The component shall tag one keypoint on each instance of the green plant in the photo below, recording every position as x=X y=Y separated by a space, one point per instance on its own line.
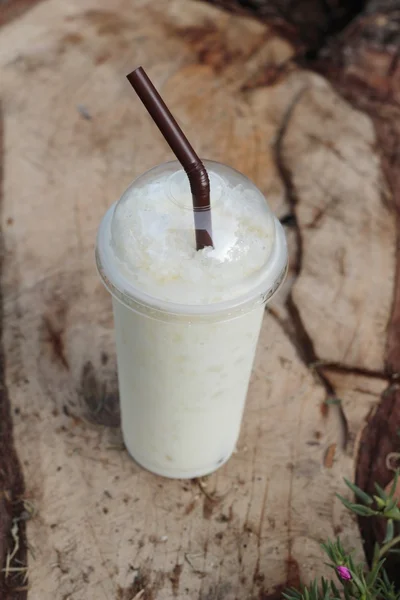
x=356 y=581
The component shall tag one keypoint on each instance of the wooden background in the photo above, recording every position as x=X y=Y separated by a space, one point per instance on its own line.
x=73 y=136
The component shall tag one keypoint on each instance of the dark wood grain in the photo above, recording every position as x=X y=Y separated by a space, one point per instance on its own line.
x=307 y=23
x=11 y=478
x=11 y=9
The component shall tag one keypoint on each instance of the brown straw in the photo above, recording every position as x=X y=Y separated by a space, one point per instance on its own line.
x=180 y=146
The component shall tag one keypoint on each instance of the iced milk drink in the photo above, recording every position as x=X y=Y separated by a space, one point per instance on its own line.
x=187 y=322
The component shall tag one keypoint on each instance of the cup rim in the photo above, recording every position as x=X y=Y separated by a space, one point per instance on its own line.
x=272 y=276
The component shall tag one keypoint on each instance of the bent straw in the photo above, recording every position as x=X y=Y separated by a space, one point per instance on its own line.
x=180 y=146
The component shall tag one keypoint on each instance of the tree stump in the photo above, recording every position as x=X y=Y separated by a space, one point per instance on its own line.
x=74 y=136
x=363 y=63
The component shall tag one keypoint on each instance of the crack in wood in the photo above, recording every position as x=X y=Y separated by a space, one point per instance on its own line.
x=295 y=328
x=345 y=369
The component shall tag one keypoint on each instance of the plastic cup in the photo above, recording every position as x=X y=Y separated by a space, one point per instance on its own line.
x=187 y=324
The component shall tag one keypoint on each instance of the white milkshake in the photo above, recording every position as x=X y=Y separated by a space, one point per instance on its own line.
x=187 y=322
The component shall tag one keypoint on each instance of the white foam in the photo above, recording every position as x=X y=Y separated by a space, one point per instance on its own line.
x=153 y=240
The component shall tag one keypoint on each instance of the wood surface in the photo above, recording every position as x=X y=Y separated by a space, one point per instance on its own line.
x=74 y=136
x=363 y=65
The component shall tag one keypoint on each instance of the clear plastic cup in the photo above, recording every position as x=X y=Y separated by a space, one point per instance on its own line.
x=187 y=323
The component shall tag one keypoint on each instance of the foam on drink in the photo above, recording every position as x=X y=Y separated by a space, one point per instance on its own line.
x=153 y=239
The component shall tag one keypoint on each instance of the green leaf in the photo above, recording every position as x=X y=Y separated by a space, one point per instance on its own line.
x=359 y=509
x=391 y=504
x=358 y=582
x=292 y=594
x=385 y=577
x=363 y=511
x=381 y=504
x=331 y=551
x=374 y=573
x=392 y=514
x=394 y=484
x=389 y=531
x=346 y=502
x=359 y=493
x=351 y=564
x=380 y=491
x=334 y=589
x=376 y=553
x=386 y=589
x=340 y=547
